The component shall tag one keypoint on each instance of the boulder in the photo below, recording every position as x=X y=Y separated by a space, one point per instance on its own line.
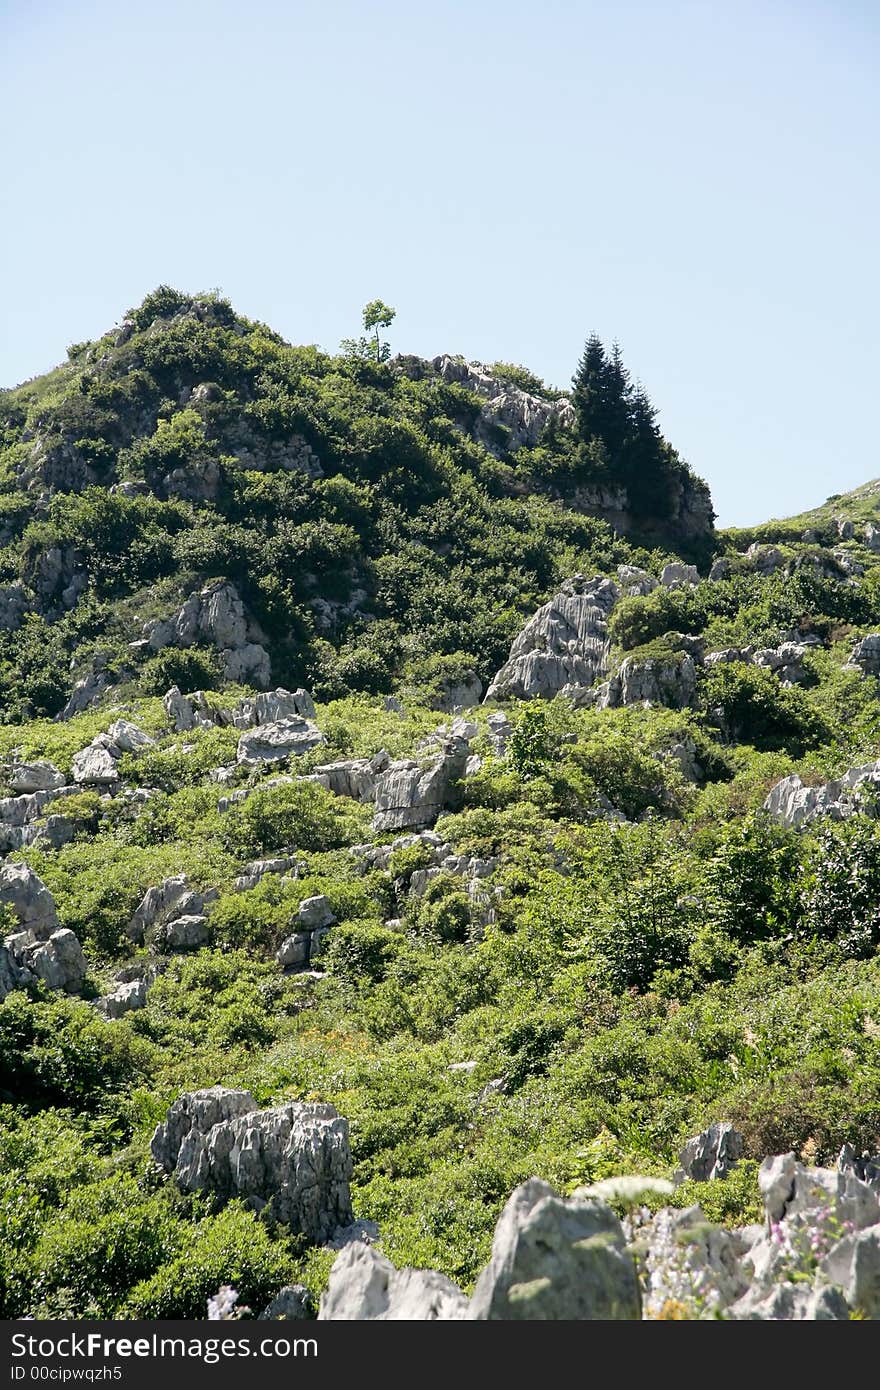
x=865 y=654
x=413 y=793
x=95 y=767
x=85 y=694
x=864 y=1166
x=556 y=1258
x=29 y=899
x=872 y=536
x=565 y=643
x=58 y=962
x=720 y=570
x=793 y=804
x=40 y=776
x=184 y=933
x=283 y=738
x=791 y=1302
x=314 y=913
x=677 y=575
x=710 y=1154
x=459 y=694
x=293 y=1161
x=124 y=998
x=294 y=950
x=365 y=1287
x=170 y=899
x=247 y=665
x=766 y=559
x=272 y=705
x=789 y=1189
x=669 y=681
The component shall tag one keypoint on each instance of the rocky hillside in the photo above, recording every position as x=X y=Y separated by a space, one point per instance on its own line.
x=413 y=818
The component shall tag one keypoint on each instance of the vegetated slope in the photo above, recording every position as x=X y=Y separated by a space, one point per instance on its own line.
x=593 y=945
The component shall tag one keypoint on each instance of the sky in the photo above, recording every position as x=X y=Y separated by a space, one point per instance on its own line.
x=697 y=179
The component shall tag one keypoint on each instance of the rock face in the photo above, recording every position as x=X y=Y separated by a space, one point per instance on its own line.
x=710 y=1154
x=679 y=576
x=521 y=414
x=554 y=1257
x=866 y=654
x=35 y=777
x=413 y=794
x=96 y=766
x=14 y=603
x=293 y=1161
x=171 y=914
x=565 y=643
x=124 y=998
x=688 y=1261
x=793 y=804
x=283 y=738
x=215 y=615
x=30 y=900
x=195 y=711
x=669 y=681
x=364 y=1286
x=354 y=777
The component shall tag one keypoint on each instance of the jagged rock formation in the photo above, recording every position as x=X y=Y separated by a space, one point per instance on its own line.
x=217 y=615
x=710 y=1154
x=794 y=804
x=278 y=740
x=293 y=1162
x=411 y=793
x=670 y=681
x=30 y=900
x=172 y=915
x=365 y=1287
x=123 y=999
x=97 y=765
x=41 y=949
x=195 y=711
x=565 y=643
x=865 y=655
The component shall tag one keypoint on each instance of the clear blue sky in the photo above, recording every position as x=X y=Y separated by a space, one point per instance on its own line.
x=697 y=180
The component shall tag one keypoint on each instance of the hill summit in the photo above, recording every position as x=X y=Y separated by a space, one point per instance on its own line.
x=363 y=524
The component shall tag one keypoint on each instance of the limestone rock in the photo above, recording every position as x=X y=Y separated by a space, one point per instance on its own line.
x=216 y=615
x=854 y=1265
x=355 y=777
x=669 y=681
x=864 y=1166
x=793 y=804
x=294 y=950
x=710 y=1154
x=565 y=643
x=688 y=1261
x=30 y=900
x=294 y=1160
x=14 y=603
x=184 y=933
x=677 y=575
x=413 y=794
x=85 y=694
x=365 y=1287
x=124 y=998
x=173 y=898
x=314 y=913
x=40 y=776
x=790 y=1189
x=283 y=738
x=522 y=415
x=635 y=582
x=58 y=962
x=556 y=1258
x=95 y=767
x=866 y=654
x=460 y=694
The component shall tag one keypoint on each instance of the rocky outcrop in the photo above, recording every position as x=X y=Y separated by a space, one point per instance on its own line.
x=463 y=693
x=669 y=681
x=314 y=918
x=354 y=777
x=710 y=1154
x=365 y=1287
x=56 y=960
x=635 y=582
x=172 y=914
x=564 y=644
x=29 y=899
x=216 y=615
x=97 y=765
x=691 y=1265
x=125 y=998
x=279 y=740
x=865 y=655
x=293 y=1162
x=556 y=1257
x=195 y=711
x=413 y=793
x=677 y=575
x=521 y=415
x=794 y=804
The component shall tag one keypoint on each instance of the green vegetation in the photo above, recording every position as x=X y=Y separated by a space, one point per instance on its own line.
x=648 y=953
